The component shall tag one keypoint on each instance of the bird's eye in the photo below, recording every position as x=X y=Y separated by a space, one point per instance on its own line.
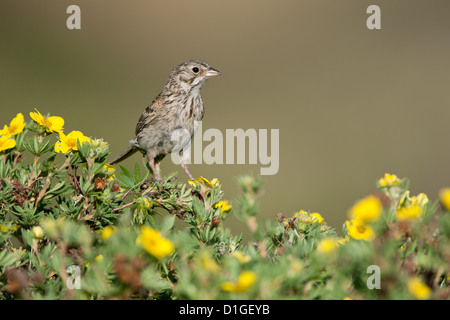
x=195 y=69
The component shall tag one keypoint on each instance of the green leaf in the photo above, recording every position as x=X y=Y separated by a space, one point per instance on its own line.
x=84 y=149
x=27 y=237
x=126 y=172
x=137 y=173
x=124 y=180
x=20 y=141
x=7 y=258
x=167 y=224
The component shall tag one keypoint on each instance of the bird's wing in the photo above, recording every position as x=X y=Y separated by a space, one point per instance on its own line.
x=149 y=115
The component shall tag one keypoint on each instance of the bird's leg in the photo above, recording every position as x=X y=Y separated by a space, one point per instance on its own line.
x=151 y=162
x=184 y=166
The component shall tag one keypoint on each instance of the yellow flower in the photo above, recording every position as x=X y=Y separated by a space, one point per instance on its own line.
x=50 y=124
x=317 y=217
x=15 y=127
x=208 y=263
x=223 y=205
x=37 y=232
x=360 y=231
x=366 y=210
x=6 y=143
x=406 y=201
x=389 y=180
x=154 y=243
x=110 y=171
x=5 y=229
x=146 y=203
x=201 y=180
x=326 y=245
x=296 y=266
x=306 y=217
x=49 y=224
x=99 y=258
x=107 y=232
x=418 y=289
x=420 y=200
x=409 y=213
x=444 y=196
x=242 y=258
x=98 y=143
x=245 y=280
x=69 y=142
x=300 y=213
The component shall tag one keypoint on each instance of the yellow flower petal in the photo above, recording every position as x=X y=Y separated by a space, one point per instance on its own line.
x=56 y=123
x=154 y=243
x=420 y=200
x=50 y=124
x=306 y=217
x=242 y=258
x=6 y=143
x=245 y=280
x=208 y=263
x=37 y=116
x=317 y=217
x=110 y=171
x=418 y=289
x=366 y=210
x=223 y=205
x=360 y=231
x=444 y=197
x=203 y=181
x=389 y=180
x=326 y=246
x=70 y=142
x=4 y=131
x=15 y=127
x=107 y=232
x=409 y=213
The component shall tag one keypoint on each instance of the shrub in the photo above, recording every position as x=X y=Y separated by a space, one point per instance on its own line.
x=73 y=227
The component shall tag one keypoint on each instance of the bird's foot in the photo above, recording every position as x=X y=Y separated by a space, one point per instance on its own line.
x=184 y=166
x=158 y=178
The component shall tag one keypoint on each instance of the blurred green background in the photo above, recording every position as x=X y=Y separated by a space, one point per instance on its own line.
x=350 y=103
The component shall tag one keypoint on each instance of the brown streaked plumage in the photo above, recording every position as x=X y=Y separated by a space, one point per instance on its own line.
x=178 y=106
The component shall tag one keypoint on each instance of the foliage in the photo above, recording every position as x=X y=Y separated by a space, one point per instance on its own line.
x=72 y=227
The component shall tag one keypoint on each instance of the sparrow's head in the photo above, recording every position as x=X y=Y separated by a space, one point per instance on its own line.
x=191 y=74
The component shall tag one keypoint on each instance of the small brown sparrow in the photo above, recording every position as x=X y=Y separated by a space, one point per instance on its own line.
x=178 y=106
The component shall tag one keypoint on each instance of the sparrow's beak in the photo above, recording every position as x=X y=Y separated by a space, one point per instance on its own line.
x=212 y=72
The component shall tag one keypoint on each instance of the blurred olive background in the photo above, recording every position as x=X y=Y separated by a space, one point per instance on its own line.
x=350 y=103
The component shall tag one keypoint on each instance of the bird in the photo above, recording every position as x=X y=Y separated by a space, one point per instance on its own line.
x=177 y=108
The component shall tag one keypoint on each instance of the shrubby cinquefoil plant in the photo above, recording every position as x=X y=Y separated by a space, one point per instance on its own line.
x=74 y=227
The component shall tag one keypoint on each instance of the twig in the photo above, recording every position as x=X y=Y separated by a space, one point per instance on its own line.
x=47 y=182
x=44 y=189
x=124 y=206
x=131 y=189
x=74 y=181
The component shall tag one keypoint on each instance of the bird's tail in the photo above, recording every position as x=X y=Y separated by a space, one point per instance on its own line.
x=128 y=152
